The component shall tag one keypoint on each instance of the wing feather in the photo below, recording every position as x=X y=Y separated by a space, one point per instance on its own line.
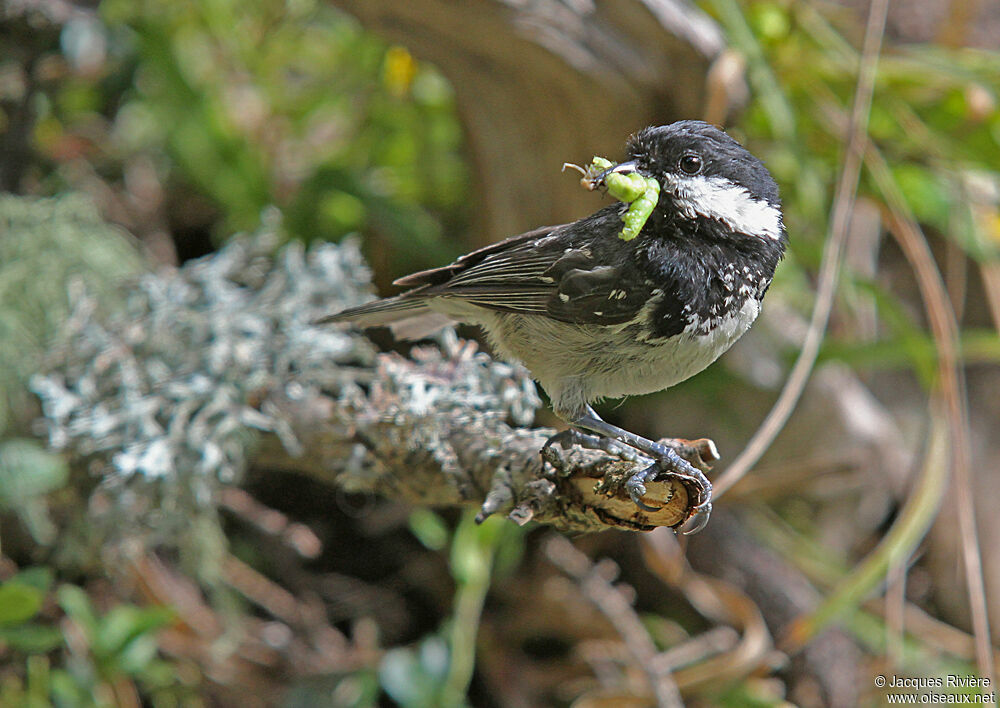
x=573 y=273
x=437 y=276
x=579 y=273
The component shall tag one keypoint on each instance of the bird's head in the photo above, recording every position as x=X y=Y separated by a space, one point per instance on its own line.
x=705 y=174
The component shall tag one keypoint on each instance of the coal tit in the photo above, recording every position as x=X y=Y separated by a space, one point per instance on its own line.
x=592 y=315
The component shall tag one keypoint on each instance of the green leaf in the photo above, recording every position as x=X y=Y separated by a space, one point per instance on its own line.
x=472 y=549
x=429 y=528
x=28 y=470
x=138 y=654
x=75 y=603
x=414 y=677
x=926 y=194
x=124 y=625
x=19 y=602
x=31 y=638
x=66 y=690
x=39 y=577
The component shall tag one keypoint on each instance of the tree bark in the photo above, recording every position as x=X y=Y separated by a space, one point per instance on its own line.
x=545 y=82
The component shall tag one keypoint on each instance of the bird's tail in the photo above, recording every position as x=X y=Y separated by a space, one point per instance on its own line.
x=407 y=317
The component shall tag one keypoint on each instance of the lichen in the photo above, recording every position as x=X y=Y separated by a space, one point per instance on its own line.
x=171 y=393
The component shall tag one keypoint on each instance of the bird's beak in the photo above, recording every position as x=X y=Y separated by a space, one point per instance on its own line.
x=626 y=167
x=621 y=168
x=592 y=179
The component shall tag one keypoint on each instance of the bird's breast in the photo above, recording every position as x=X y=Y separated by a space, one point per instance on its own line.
x=652 y=364
x=615 y=361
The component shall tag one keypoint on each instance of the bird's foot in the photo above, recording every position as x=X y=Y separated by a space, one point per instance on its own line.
x=684 y=460
x=672 y=464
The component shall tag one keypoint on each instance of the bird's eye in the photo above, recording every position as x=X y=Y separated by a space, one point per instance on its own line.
x=691 y=164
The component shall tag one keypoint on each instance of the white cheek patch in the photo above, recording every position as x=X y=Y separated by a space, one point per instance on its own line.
x=718 y=198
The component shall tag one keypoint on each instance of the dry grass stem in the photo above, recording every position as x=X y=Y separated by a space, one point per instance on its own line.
x=832 y=254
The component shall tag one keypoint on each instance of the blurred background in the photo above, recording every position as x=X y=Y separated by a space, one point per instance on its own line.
x=137 y=137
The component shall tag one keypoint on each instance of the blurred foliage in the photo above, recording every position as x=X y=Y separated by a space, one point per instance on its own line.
x=48 y=248
x=935 y=120
x=934 y=116
x=250 y=105
x=100 y=659
x=438 y=671
x=29 y=472
x=50 y=245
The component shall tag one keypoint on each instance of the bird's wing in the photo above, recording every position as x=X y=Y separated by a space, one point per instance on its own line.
x=436 y=276
x=574 y=273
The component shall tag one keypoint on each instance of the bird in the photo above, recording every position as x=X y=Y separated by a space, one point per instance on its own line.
x=592 y=315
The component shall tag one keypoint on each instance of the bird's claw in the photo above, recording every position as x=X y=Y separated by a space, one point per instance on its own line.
x=676 y=466
x=564 y=439
x=636 y=487
x=698 y=519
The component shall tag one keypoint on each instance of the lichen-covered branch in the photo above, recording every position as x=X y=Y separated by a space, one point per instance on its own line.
x=216 y=367
x=436 y=429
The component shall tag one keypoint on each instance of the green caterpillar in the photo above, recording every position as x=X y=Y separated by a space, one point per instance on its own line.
x=640 y=193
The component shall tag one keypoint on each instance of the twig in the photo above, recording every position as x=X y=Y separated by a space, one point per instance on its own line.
x=942 y=321
x=832 y=254
x=895 y=547
x=698 y=649
x=725 y=86
x=903 y=226
x=895 y=604
x=951 y=407
x=613 y=604
x=298 y=537
x=261 y=590
x=717 y=600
